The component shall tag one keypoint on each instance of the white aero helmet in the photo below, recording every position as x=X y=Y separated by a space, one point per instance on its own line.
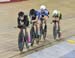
x=42 y=7
x=55 y=12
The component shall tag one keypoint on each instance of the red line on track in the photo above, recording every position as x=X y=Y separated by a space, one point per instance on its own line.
x=12 y=1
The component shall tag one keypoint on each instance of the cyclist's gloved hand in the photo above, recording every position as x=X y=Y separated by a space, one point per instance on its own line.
x=19 y=26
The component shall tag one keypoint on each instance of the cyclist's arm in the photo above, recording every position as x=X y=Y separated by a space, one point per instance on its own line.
x=60 y=17
x=18 y=21
x=26 y=20
x=34 y=20
x=19 y=24
x=46 y=14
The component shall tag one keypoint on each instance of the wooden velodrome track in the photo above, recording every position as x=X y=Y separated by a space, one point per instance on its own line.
x=8 y=20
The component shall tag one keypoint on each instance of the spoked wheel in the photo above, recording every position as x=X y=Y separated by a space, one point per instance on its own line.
x=21 y=41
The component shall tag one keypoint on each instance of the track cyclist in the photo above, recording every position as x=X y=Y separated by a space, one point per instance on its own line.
x=57 y=16
x=23 y=22
x=44 y=15
x=34 y=16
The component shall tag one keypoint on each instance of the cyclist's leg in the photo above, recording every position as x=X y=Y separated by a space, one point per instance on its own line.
x=45 y=22
x=28 y=36
x=35 y=29
x=44 y=29
x=38 y=26
x=41 y=26
x=45 y=25
x=28 y=32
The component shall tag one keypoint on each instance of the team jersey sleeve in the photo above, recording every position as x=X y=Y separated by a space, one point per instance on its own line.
x=38 y=14
x=46 y=12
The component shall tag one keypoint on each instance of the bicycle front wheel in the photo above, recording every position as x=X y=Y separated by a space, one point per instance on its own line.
x=21 y=41
x=55 y=31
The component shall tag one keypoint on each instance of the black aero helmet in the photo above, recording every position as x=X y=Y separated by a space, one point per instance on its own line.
x=20 y=13
x=32 y=11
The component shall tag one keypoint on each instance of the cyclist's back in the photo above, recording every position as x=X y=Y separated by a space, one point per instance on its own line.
x=44 y=12
x=23 y=23
x=22 y=20
x=57 y=16
x=34 y=14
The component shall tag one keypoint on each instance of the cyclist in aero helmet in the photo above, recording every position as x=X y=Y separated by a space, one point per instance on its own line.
x=34 y=16
x=44 y=12
x=44 y=15
x=57 y=16
x=23 y=22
